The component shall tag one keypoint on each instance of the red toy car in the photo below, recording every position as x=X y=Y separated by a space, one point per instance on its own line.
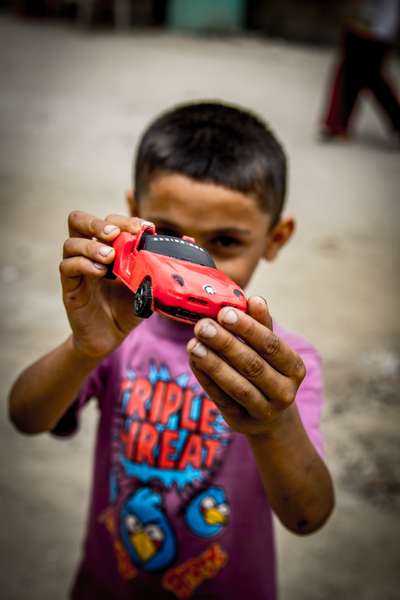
x=172 y=276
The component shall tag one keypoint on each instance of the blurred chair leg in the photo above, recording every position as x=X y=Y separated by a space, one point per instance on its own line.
x=122 y=14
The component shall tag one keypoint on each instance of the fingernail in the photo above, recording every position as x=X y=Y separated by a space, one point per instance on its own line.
x=199 y=350
x=229 y=316
x=109 y=229
x=105 y=250
x=208 y=330
x=99 y=266
x=260 y=300
x=147 y=223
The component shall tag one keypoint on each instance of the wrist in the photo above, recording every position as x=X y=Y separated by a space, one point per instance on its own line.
x=83 y=362
x=278 y=429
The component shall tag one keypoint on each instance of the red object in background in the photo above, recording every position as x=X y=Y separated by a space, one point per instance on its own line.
x=173 y=276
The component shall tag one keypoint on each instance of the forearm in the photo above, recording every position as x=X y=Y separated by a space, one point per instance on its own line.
x=295 y=478
x=44 y=391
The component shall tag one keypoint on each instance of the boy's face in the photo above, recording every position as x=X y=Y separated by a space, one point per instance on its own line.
x=229 y=224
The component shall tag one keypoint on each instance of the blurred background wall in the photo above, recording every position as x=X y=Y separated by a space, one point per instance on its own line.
x=301 y=20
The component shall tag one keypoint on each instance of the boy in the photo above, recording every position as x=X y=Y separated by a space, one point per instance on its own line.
x=185 y=476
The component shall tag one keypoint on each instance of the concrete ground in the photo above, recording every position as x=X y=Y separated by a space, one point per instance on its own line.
x=72 y=107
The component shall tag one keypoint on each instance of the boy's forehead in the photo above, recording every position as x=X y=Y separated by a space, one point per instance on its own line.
x=183 y=201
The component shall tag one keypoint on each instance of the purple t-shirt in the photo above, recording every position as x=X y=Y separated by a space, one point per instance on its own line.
x=177 y=508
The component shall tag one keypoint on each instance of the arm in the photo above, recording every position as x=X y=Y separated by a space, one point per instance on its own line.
x=100 y=314
x=295 y=478
x=255 y=384
x=43 y=392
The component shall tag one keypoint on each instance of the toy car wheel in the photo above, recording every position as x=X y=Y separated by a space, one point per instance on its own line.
x=143 y=300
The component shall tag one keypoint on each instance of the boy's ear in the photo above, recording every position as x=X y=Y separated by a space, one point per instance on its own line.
x=277 y=238
x=132 y=204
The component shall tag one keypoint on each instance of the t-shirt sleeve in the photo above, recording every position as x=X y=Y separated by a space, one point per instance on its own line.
x=309 y=397
x=93 y=387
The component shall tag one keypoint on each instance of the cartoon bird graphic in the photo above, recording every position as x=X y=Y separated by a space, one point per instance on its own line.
x=146 y=533
x=208 y=513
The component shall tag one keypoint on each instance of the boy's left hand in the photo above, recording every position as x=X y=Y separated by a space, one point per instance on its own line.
x=250 y=373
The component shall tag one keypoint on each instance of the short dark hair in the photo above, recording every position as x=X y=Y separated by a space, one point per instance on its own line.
x=216 y=143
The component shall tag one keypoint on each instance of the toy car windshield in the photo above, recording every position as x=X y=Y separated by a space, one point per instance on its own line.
x=176 y=248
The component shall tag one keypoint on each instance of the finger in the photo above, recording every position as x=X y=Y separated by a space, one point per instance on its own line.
x=129 y=224
x=278 y=388
x=73 y=269
x=82 y=224
x=228 y=406
x=266 y=343
x=258 y=309
x=234 y=414
x=229 y=380
x=92 y=249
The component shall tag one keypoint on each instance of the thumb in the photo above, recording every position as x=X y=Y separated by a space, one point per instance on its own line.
x=257 y=308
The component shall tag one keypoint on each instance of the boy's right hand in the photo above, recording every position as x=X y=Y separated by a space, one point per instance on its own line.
x=99 y=310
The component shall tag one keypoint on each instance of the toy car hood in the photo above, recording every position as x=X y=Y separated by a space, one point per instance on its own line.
x=205 y=281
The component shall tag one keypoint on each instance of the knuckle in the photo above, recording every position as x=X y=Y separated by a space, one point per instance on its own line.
x=272 y=345
x=85 y=267
x=244 y=392
x=223 y=401
x=247 y=327
x=253 y=366
x=215 y=365
x=73 y=217
x=229 y=407
x=300 y=370
x=67 y=246
x=93 y=225
x=226 y=343
x=135 y=223
x=287 y=396
x=80 y=262
x=267 y=410
x=92 y=247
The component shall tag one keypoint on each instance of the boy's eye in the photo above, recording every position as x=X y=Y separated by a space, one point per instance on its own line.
x=225 y=241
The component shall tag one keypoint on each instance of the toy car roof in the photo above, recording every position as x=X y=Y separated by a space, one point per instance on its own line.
x=176 y=248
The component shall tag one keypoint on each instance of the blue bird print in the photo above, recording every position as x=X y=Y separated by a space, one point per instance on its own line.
x=146 y=532
x=208 y=513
